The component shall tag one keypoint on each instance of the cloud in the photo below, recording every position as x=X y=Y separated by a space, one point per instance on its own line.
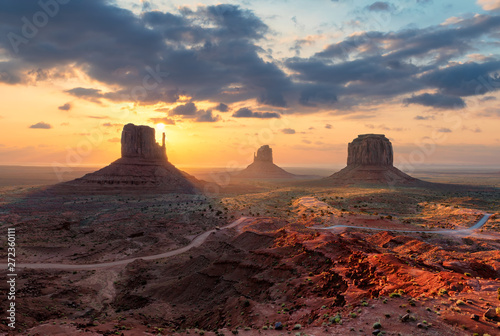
x=114 y=140
x=436 y=100
x=466 y=79
x=384 y=128
x=374 y=67
x=247 y=113
x=108 y=124
x=444 y=130
x=328 y=126
x=214 y=54
x=419 y=117
x=288 y=131
x=489 y=4
x=474 y=130
x=185 y=110
x=65 y=107
x=380 y=6
x=165 y=120
x=313 y=95
x=207 y=116
x=90 y=94
x=222 y=107
x=198 y=52
x=98 y=117
x=488 y=98
x=41 y=125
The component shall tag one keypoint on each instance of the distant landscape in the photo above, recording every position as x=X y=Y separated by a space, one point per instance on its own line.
x=252 y=168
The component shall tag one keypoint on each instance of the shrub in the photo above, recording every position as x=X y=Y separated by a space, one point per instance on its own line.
x=377 y=325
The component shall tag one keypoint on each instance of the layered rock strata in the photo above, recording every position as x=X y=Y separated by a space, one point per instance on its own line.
x=143 y=168
x=370 y=160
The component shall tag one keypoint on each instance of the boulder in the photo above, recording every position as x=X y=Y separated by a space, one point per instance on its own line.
x=490 y=314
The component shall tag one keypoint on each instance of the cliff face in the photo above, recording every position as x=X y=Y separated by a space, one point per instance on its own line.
x=142 y=169
x=370 y=150
x=370 y=161
x=139 y=142
x=264 y=154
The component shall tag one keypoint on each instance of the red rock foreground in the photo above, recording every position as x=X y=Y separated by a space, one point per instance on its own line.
x=275 y=278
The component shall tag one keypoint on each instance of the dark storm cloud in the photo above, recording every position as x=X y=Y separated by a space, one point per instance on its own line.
x=41 y=125
x=374 y=67
x=467 y=79
x=201 y=53
x=436 y=100
x=212 y=53
x=247 y=113
x=312 y=95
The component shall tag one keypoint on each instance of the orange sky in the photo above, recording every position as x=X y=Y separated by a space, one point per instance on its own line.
x=79 y=137
x=325 y=74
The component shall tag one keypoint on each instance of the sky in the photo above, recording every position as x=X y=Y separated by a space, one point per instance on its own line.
x=222 y=79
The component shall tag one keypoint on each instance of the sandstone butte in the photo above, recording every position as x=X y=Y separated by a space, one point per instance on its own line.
x=143 y=168
x=370 y=160
x=263 y=167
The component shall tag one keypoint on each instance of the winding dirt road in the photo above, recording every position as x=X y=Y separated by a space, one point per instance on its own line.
x=194 y=243
x=476 y=226
x=203 y=237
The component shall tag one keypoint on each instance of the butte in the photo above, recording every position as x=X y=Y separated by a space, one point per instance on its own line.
x=142 y=169
x=263 y=167
x=370 y=161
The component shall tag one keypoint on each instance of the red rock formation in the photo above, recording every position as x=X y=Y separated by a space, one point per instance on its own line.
x=143 y=168
x=370 y=150
x=264 y=154
x=370 y=160
x=139 y=142
x=263 y=167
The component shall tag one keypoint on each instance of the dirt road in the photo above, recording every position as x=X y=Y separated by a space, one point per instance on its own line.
x=194 y=243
